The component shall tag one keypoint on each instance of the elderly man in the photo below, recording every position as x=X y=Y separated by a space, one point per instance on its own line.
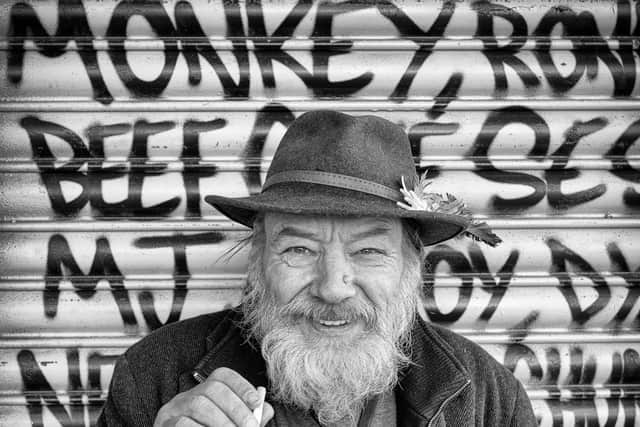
x=328 y=322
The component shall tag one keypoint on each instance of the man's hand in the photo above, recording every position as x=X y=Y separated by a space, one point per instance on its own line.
x=225 y=399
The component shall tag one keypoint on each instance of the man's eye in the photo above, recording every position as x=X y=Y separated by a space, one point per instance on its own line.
x=370 y=251
x=299 y=256
x=299 y=250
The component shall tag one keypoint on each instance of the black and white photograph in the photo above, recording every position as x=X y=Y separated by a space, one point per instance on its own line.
x=330 y=213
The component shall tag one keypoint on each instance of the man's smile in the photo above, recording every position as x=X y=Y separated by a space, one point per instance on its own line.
x=334 y=326
x=333 y=322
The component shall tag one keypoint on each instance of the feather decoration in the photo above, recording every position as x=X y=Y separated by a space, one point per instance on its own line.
x=419 y=199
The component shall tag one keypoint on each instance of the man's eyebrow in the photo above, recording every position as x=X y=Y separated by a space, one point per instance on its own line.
x=372 y=232
x=291 y=231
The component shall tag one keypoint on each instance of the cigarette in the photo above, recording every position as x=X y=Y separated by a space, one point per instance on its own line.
x=257 y=413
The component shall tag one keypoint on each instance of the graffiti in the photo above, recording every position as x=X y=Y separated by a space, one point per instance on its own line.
x=425 y=39
x=480 y=150
x=580 y=371
x=40 y=394
x=619 y=264
x=472 y=265
x=560 y=257
x=88 y=166
x=623 y=169
x=24 y=21
x=500 y=57
x=178 y=243
x=569 y=376
x=587 y=51
x=253 y=152
x=187 y=39
x=557 y=173
x=461 y=267
x=190 y=158
x=431 y=127
x=72 y=24
x=466 y=268
x=103 y=267
x=93 y=156
x=61 y=265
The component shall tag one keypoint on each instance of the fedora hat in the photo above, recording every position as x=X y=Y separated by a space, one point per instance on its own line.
x=333 y=164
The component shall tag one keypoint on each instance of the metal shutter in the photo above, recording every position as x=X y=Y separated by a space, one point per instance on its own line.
x=118 y=117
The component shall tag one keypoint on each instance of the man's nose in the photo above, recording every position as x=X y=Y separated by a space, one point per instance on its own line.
x=335 y=279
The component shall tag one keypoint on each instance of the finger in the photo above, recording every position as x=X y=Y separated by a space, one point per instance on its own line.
x=231 y=404
x=205 y=412
x=267 y=414
x=240 y=386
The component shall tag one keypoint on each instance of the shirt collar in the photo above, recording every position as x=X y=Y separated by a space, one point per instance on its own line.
x=435 y=376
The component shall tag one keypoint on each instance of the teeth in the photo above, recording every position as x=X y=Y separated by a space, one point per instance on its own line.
x=333 y=322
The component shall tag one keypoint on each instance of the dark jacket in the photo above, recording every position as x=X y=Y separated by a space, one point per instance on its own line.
x=453 y=382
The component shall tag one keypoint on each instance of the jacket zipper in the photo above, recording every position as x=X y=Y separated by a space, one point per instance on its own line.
x=447 y=400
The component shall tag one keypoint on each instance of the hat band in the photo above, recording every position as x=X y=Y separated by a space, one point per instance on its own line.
x=334 y=180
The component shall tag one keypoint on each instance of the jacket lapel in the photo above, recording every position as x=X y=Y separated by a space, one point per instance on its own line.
x=227 y=347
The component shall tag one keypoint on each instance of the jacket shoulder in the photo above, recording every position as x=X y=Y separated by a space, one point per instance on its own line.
x=473 y=358
x=495 y=390
x=178 y=343
x=148 y=374
x=158 y=361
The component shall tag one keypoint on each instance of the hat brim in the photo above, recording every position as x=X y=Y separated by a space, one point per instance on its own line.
x=314 y=199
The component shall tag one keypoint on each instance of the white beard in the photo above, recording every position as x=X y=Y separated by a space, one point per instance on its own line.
x=329 y=375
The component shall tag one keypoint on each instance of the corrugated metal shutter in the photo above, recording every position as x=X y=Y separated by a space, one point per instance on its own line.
x=119 y=117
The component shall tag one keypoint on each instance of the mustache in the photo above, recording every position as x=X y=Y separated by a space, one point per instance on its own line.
x=303 y=306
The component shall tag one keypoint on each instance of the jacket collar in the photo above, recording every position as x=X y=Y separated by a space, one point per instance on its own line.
x=433 y=379
x=228 y=347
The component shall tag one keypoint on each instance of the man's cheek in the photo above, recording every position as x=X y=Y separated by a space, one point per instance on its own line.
x=286 y=282
x=385 y=278
x=382 y=294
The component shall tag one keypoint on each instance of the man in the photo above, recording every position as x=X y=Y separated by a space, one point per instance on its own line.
x=328 y=322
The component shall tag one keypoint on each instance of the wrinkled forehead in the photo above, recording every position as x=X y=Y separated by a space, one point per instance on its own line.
x=324 y=227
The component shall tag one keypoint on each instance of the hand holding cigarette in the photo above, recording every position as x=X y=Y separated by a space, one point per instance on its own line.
x=224 y=398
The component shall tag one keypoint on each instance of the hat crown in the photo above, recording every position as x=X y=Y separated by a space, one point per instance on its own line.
x=365 y=147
